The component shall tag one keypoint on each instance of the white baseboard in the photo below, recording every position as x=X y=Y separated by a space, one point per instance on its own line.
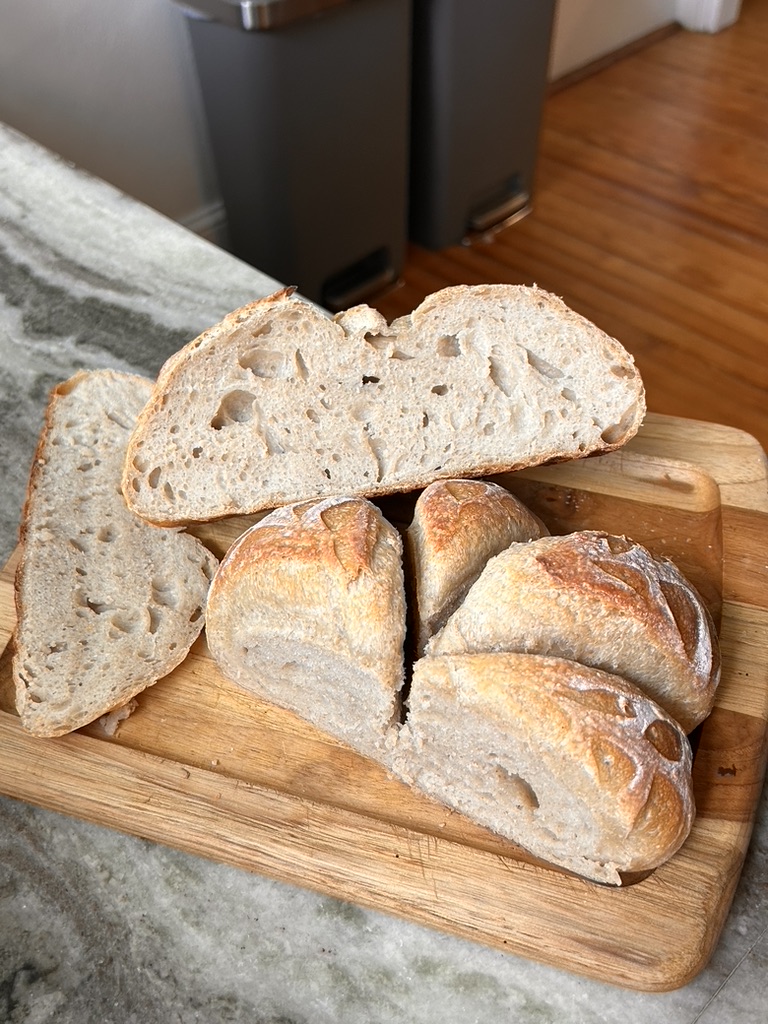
x=209 y=221
x=707 y=15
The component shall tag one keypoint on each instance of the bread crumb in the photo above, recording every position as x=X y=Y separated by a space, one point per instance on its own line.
x=111 y=721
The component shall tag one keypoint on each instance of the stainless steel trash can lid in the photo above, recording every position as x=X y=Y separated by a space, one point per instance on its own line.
x=257 y=15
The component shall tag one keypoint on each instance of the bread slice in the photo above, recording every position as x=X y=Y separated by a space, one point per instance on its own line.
x=106 y=603
x=573 y=764
x=457 y=526
x=600 y=600
x=278 y=403
x=307 y=611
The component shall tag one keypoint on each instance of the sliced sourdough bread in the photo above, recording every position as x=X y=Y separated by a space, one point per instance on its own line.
x=456 y=527
x=573 y=764
x=307 y=611
x=106 y=603
x=278 y=403
x=601 y=600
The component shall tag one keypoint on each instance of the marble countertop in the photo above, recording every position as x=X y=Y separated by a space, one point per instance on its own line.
x=100 y=927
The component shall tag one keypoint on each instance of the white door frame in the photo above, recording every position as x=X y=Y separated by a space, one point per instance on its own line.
x=707 y=15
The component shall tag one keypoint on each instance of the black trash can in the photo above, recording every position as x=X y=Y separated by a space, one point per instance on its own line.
x=479 y=77
x=307 y=106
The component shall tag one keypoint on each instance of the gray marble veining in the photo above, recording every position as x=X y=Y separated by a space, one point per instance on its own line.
x=100 y=927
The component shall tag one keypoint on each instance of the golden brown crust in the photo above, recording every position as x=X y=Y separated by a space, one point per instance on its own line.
x=457 y=526
x=320 y=585
x=597 y=755
x=600 y=600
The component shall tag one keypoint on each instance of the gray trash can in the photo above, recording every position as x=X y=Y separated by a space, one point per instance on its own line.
x=307 y=107
x=479 y=74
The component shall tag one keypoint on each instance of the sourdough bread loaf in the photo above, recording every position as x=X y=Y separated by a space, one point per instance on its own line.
x=307 y=611
x=106 y=604
x=600 y=600
x=278 y=403
x=456 y=527
x=571 y=763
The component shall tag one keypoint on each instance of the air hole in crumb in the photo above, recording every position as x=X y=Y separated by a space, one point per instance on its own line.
x=236 y=407
x=197 y=452
x=125 y=622
x=568 y=395
x=440 y=389
x=616 y=432
x=263 y=362
x=518 y=790
x=154 y=477
x=196 y=615
x=542 y=366
x=312 y=415
x=155 y=619
x=106 y=534
x=370 y=380
x=377 y=341
x=448 y=346
x=164 y=593
x=327 y=472
x=489 y=429
x=425 y=420
x=168 y=492
x=622 y=371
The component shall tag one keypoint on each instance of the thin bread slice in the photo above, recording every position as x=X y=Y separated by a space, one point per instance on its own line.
x=604 y=601
x=106 y=603
x=573 y=764
x=279 y=403
x=457 y=526
x=307 y=611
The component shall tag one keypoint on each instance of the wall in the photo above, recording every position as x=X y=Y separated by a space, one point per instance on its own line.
x=586 y=30
x=111 y=87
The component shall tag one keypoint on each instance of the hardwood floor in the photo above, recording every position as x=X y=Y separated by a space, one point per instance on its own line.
x=650 y=217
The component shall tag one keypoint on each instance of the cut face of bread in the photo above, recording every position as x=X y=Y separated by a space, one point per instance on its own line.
x=573 y=764
x=456 y=527
x=106 y=604
x=600 y=600
x=279 y=404
x=307 y=611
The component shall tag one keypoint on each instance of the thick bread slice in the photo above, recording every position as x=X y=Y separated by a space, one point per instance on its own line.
x=457 y=526
x=106 y=604
x=600 y=600
x=278 y=403
x=574 y=765
x=307 y=611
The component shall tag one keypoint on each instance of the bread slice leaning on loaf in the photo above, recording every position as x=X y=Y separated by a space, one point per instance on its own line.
x=456 y=527
x=279 y=403
x=307 y=611
x=601 y=600
x=106 y=604
x=573 y=764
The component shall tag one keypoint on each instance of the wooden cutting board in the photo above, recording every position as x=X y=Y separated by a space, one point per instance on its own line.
x=204 y=768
